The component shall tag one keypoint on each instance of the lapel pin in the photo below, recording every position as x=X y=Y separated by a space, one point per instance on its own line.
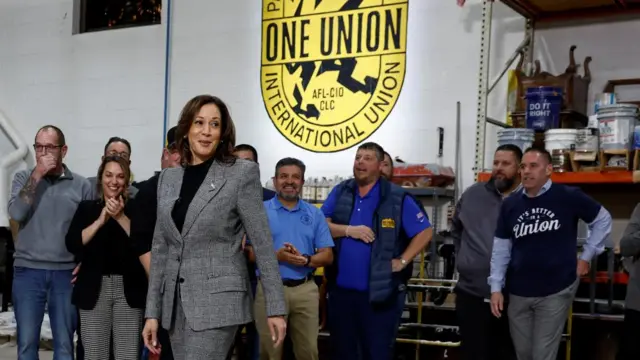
x=213 y=186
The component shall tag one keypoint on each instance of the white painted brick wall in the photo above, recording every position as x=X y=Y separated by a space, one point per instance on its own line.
x=111 y=83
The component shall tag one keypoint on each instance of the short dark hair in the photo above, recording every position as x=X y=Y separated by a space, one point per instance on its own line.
x=61 y=139
x=513 y=149
x=115 y=139
x=291 y=161
x=543 y=152
x=375 y=147
x=389 y=155
x=247 y=147
x=224 y=151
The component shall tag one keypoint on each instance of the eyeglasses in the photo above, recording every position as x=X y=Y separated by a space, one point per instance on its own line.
x=124 y=154
x=47 y=148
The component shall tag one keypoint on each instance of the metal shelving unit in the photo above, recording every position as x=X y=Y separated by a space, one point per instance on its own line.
x=551 y=13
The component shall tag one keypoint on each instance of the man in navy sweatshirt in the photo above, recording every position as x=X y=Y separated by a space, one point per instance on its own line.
x=43 y=201
x=536 y=241
x=484 y=337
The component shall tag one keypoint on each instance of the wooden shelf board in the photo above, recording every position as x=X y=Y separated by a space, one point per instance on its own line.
x=550 y=11
x=595 y=177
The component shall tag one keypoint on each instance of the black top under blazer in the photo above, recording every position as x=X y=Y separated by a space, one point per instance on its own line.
x=110 y=252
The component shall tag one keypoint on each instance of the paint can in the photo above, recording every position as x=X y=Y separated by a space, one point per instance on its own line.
x=522 y=138
x=560 y=139
x=543 y=107
x=616 y=124
x=587 y=140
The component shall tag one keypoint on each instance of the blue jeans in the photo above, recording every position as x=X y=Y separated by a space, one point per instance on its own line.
x=33 y=289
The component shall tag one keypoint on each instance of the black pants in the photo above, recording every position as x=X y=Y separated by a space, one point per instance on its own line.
x=630 y=343
x=484 y=337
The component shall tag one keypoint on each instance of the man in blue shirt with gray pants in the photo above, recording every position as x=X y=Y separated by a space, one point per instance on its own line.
x=378 y=230
x=302 y=243
x=536 y=241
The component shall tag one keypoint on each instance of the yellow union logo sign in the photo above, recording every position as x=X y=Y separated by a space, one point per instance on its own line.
x=332 y=70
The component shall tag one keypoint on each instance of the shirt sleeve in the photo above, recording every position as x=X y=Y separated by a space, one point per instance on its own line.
x=322 y=238
x=456 y=225
x=414 y=219
x=587 y=208
x=18 y=208
x=597 y=218
x=329 y=205
x=501 y=252
x=630 y=242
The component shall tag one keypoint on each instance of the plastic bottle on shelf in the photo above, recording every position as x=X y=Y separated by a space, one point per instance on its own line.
x=306 y=190
x=316 y=190
x=322 y=190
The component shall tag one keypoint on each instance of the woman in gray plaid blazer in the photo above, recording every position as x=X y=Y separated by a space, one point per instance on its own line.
x=199 y=283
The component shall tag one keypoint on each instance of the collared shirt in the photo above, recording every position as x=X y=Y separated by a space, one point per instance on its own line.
x=596 y=216
x=303 y=226
x=543 y=189
x=354 y=260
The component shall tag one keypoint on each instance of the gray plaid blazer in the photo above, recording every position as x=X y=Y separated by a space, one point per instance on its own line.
x=207 y=254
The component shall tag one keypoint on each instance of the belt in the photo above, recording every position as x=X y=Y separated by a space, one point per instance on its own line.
x=296 y=282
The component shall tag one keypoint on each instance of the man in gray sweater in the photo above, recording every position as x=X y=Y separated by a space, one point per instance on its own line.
x=483 y=336
x=43 y=201
x=630 y=248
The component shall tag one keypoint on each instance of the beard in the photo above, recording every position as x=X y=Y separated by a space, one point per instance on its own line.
x=289 y=196
x=503 y=184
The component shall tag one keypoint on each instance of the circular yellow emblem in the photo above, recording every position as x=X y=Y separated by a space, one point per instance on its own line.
x=332 y=70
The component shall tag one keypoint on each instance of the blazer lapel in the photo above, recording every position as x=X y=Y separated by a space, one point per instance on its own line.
x=211 y=185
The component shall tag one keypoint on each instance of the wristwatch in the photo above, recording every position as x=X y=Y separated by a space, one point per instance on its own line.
x=308 y=260
x=403 y=262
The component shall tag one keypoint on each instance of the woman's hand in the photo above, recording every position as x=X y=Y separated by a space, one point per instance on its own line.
x=104 y=216
x=115 y=207
x=150 y=336
x=278 y=329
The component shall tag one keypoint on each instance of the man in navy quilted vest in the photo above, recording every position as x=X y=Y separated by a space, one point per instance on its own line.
x=378 y=230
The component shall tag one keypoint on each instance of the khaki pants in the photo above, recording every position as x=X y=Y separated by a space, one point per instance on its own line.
x=302 y=322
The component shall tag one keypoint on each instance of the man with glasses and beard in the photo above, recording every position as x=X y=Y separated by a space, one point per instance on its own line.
x=43 y=201
x=484 y=337
x=302 y=242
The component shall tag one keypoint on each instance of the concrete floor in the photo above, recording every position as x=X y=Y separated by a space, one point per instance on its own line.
x=8 y=352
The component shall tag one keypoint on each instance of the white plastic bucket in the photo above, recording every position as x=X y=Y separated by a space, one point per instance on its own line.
x=560 y=139
x=616 y=124
x=522 y=138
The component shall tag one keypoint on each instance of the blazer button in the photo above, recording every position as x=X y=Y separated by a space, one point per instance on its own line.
x=181 y=280
x=178 y=259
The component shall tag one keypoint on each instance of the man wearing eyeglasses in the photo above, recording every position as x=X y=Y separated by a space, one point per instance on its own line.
x=43 y=201
x=116 y=146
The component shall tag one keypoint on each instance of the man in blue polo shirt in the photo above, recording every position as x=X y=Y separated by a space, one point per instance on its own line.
x=536 y=241
x=302 y=242
x=378 y=230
